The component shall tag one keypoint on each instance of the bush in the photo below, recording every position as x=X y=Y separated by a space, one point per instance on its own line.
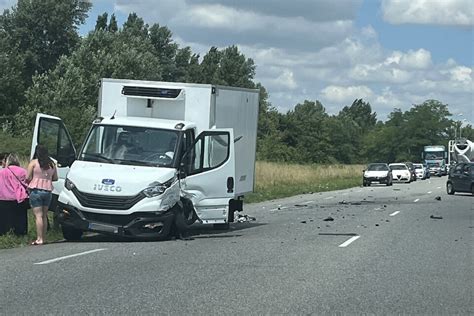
x=17 y=144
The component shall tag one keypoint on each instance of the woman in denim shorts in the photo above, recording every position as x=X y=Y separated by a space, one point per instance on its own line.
x=41 y=174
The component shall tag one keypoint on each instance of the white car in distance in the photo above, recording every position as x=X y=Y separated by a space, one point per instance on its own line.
x=421 y=171
x=400 y=172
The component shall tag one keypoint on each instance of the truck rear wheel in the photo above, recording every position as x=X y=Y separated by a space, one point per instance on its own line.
x=71 y=234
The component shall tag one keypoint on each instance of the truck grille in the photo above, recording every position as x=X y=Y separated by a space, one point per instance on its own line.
x=107 y=202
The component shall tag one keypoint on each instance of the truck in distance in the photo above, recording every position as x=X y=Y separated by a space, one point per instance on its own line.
x=435 y=158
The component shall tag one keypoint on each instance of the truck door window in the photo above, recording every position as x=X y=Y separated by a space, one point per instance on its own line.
x=54 y=136
x=209 y=152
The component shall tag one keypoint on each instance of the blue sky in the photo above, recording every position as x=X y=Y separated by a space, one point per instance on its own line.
x=391 y=53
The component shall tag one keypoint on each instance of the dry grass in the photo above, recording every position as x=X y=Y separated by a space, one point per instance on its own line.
x=276 y=180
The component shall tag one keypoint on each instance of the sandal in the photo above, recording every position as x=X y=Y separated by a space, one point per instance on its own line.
x=35 y=243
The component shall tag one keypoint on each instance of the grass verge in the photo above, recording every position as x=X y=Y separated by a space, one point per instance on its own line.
x=276 y=180
x=10 y=240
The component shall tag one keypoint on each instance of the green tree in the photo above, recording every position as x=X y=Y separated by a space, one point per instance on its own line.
x=70 y=90
x=43 y=31
x=101 y=23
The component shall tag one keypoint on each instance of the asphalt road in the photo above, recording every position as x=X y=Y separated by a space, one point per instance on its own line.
x=382 y=254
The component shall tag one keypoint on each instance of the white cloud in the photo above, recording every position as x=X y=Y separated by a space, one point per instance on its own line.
x=342 y=94
x=444 y=12
x=420 y=59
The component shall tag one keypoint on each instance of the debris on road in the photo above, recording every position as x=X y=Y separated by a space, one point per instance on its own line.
x=301 y=205
x=328 y=219
x=239 y=218
x=303 y=222
x=436 y=217
x=438 y=198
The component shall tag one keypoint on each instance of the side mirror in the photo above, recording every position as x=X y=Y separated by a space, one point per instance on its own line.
x=182 y=171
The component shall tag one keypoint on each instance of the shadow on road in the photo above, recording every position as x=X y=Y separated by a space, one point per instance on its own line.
x=197 y=231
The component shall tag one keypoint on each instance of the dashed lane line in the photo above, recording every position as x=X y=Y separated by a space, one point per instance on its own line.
x=416 y=200
x=70 y=256
x=349 y=241
x=394 y=213
x=329 y=197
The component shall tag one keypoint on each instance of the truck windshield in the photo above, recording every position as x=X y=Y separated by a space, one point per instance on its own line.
x=127 y=145
x=434 y=155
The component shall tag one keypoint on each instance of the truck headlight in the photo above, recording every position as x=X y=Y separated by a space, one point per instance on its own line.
x=69 y=185
x=156 y=188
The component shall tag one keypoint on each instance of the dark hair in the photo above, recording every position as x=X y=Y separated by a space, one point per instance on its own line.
x=12 y=160
x=41 y=153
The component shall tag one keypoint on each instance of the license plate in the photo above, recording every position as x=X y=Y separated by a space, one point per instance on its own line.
x=103 y=228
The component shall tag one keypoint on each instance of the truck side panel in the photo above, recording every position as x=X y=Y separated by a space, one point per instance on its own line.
x=238 y=108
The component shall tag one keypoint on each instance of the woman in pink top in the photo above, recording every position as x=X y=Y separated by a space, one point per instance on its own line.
x=13 y=197
x=41 y=174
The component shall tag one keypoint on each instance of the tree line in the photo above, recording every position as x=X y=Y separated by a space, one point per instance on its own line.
x=48 y=67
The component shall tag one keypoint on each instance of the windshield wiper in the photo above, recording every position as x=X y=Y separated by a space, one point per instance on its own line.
x=137 y=162
x=98 y=156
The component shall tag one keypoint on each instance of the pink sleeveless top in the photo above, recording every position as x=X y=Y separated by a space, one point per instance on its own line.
x=42 y=179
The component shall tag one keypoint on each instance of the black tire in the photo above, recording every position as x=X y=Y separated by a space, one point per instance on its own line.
x=368 y=183
x=71 y=234
x=449 y=188
x=364 y=184
x=184 y=215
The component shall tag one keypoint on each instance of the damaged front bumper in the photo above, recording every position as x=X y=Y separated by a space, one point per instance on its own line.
x=139 y=224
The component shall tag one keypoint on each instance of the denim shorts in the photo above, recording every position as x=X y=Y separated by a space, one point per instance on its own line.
x=39 y=198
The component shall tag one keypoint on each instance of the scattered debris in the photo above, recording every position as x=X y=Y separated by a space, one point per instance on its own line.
x=303 y=222
x=301 y=205
x=239 y=218
x=310 y=220
x=384 y=205
x=436 y=217
x=387 y=220
x=328 y=219
x=438 y=198
x=376 y=224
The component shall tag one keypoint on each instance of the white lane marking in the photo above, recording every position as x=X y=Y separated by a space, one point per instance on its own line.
x=416 y=200
x=429 y=192
x=309 y=202
x=358 y=191
x=394 y=213
x=438 y=188
x=329 y=197
x=70 y=256
x=349 y=241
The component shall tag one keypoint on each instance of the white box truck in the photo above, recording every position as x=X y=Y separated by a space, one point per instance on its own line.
x=160 y=155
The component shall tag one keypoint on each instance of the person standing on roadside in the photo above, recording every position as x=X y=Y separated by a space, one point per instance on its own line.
x=13 y=197
x=41 y=174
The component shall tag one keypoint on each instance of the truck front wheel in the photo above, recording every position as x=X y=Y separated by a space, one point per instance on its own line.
x=71 y=234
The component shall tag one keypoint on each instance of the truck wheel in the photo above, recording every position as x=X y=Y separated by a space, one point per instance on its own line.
x=184 y=216
x=71 y=234
x=449 y=188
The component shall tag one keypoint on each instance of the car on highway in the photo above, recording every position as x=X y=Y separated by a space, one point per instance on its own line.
x=377 y=172
x=435 y=168
x=400 y=172
x=461 y=178
x=421 y=171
